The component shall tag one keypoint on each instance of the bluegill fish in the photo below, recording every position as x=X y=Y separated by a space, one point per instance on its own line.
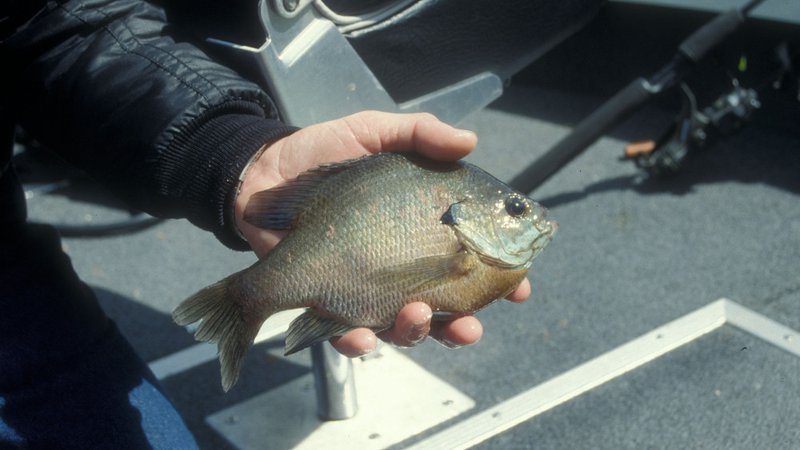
x=366 y=237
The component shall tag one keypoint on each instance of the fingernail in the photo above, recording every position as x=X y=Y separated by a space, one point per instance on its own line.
x=418 y=332
x=465 y=134
x=371 y=345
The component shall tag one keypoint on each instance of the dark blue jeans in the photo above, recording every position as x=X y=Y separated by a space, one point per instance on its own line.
x=68 y=379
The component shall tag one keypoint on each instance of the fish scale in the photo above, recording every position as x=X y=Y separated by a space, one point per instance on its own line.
x=367 y=237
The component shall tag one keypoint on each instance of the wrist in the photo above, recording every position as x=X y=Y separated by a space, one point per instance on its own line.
x=240 y=201
x=261 y=172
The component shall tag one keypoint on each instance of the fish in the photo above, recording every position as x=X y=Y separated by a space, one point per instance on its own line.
x=366 y=237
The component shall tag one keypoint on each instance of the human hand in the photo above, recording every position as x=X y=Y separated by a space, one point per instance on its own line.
x=347 y=138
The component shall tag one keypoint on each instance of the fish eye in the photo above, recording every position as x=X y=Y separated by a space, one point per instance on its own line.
x=516 y=206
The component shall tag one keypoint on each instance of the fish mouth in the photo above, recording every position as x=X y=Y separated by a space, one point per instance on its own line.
x=547 y=228
x=541 y=223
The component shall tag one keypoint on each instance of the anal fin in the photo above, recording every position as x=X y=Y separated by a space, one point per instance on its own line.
x=309 y=328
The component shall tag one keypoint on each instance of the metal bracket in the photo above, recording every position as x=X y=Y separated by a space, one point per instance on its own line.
x=314 y=74
x=290 y=8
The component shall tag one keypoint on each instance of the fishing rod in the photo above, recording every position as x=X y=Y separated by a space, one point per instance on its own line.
x=693 y=49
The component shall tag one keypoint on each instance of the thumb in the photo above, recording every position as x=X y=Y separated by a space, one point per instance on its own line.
x=420 y=132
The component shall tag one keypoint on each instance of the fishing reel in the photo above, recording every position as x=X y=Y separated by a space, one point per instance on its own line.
x=695 y=129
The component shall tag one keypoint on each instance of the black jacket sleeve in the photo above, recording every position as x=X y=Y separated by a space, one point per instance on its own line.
x=103 y=84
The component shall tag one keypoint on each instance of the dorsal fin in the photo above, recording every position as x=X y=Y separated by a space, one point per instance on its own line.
x=277 y=208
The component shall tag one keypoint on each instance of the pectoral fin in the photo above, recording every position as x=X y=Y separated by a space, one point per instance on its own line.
x=423 y=273
x=309 y=328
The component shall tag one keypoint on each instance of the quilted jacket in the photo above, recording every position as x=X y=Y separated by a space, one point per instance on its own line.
x=115 y=89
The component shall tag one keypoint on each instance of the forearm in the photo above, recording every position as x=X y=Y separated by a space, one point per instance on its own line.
x=154 y=119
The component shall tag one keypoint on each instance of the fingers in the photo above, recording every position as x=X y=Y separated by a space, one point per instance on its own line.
x=355 y=343
x=411 y=326
x=456 y=333
x=422 y=132
x=521 y=293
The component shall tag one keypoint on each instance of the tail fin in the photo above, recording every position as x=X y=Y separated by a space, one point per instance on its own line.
x=223 y=322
